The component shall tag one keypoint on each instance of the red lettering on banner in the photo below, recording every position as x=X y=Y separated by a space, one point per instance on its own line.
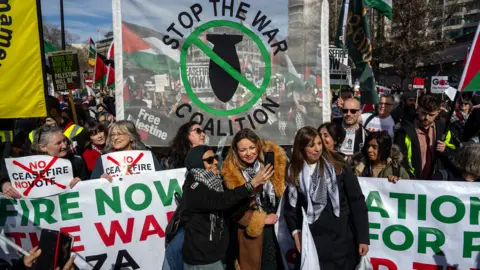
x=157 y=229
x=424 y=266
x=115 y=229
x=474 y=268
x=17 y=237
x=34 y=239
x=170 y=215
x=76 y=238
x=376 y=262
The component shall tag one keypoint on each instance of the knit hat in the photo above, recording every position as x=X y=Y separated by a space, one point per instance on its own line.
x=194 y=159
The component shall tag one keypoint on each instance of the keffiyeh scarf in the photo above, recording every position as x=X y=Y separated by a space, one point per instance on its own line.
x=317 y=189
x=211 y=180
x=268 y=191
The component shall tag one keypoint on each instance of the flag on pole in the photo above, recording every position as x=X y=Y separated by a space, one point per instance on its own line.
x=48 y=47
x=92 y=52
x=470 y=81
x=383 y=6
x=110 y=81
x=358 y=42
x=111 y=52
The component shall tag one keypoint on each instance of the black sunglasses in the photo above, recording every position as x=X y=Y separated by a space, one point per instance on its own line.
x=211 y=159
x=352 y=111
x=198 y=130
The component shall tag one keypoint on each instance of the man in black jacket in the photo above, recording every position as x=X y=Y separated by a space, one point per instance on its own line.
x=421 y=142
x=355 y=133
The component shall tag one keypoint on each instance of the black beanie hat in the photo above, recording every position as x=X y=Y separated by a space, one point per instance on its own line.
x=194 y=159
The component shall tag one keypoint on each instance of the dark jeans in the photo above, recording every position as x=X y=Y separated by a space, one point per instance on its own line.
x=173 y=254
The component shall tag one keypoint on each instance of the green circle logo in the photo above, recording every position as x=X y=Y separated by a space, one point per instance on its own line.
x=194 y=40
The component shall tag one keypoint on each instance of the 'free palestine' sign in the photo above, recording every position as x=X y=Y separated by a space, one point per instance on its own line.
x=66 y=71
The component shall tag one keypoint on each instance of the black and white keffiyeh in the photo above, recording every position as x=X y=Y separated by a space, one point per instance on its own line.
x=211 y=180
x=268 y=191
x=317 y=189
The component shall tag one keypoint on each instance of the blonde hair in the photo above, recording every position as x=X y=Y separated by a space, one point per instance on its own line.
x=233 y=151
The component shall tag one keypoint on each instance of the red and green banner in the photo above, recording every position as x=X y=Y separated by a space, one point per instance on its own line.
x=470 y=81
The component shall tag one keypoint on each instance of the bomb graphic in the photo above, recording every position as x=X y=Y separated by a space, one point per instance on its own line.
x=224 y=85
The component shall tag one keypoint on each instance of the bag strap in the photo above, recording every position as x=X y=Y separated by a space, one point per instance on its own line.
x=369 y=119
x=444 y=174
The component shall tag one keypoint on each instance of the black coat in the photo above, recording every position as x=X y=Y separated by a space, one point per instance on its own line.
x=203 y=243
x=360 y=134
x=336 y=238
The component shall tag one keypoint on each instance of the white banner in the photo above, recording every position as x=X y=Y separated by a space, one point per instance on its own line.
x=122 y=224
x=122 y=163
x=439 y=84
x=39 y=176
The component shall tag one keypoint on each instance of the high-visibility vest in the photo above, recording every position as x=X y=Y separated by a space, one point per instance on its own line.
x=70 y=133
x=408 y=144
x=6 y=135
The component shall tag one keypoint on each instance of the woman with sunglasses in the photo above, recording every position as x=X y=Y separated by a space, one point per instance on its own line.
x=188 y=135
x=329 y=193
x=49 y=140
x=379 y=158
x=255 y=218
x=122 y=136
x=205 y=201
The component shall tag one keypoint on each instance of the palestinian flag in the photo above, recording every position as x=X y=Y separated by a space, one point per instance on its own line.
x=110 y=68
x=92 y=53
x=103 y=74
x=144 y=48
x=470 y=81
x=383 y=6
x=48 y=47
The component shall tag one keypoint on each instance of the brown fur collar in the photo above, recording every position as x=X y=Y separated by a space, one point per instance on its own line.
x=233 y=177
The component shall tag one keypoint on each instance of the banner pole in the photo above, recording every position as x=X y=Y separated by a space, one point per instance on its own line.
x=62 y=24
x=13 y=245
x=42 y=52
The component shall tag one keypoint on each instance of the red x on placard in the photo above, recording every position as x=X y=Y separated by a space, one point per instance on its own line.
x=131 y=165
x=39 y=176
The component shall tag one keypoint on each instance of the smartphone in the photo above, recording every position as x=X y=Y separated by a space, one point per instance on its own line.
x=269 y=158
x=56 y=248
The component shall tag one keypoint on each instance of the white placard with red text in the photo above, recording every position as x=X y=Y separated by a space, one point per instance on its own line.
x=118 y=164
x=40 y=175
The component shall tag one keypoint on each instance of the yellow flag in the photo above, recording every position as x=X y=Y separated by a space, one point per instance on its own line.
x=22 y=91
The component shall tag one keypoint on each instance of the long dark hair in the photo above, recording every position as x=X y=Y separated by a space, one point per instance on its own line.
x=179 y=146
x=385 y=144
x=336 y=132
x=248 y=134
x=303 y=138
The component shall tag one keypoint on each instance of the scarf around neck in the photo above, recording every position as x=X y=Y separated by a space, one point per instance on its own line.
x=267 y=190
x=317 y=189
x=211 y=180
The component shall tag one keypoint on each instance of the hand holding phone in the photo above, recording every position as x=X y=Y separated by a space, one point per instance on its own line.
x=55 y=249
x=269 y=158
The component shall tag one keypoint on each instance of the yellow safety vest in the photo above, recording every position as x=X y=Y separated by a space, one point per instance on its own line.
x=408 y=144
x=6 y=136
x=70 y=133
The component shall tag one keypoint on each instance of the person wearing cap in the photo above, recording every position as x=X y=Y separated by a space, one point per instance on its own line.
x=206 y=200
x=406 y=111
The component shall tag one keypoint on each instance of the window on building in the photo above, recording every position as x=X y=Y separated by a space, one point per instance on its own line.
x=472 y=5
x=454 y=33
x=472 y=18
x=469 y=30
x=454 y=21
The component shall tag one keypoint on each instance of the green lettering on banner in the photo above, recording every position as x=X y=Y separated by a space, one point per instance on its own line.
x=474 y=210
x=468 y=247
x=66 y=206
x=373 y=226
x=25 y=213
x=46 y=215
x=387 y=237
x=402 y=202
x=5 y=212
x=129 y=193
x=435 y=245
x=422 y=207
x=101 y=198
x=173 y=187
x=374 y=196
x=459 y=209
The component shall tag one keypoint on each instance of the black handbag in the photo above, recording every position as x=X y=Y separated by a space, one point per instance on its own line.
x=175 y=221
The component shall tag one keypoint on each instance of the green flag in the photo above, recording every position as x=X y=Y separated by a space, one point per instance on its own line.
x=354 y=34
x=383 y=6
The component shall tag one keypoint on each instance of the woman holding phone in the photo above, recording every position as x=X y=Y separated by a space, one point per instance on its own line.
x=255 y=217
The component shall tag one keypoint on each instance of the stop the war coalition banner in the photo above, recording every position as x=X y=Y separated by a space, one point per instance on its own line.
x=229 y=65
x=413 y=224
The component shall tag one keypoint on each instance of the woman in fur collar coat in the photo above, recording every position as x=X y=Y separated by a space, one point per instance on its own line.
x=379 y=158
x=255 y=218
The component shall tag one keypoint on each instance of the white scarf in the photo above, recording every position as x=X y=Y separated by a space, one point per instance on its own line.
x=267 y=190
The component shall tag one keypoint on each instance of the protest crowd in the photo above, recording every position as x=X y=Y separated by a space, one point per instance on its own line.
x=226 y=216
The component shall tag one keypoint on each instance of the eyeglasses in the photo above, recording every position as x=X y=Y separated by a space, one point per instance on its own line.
x=211 y=159
x=198 y=130
x=118 y=134
x=352 y=111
